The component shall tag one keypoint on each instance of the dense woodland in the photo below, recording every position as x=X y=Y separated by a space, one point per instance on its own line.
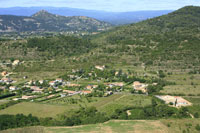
x=47 y=47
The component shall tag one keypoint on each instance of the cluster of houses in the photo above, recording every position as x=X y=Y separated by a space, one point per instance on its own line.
x=175 y=101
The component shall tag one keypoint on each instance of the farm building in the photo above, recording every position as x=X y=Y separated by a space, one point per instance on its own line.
x=140 y=86
x=100 y=67
x=91 y=87
x=174 y=100
x=4 y=73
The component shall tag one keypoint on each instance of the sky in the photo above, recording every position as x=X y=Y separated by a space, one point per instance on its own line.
x=106 y=5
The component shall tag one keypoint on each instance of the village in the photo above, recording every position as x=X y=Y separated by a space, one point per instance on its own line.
x=50 y=89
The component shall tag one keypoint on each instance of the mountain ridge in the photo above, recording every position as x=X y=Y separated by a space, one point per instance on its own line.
x=116 y=18
x=45 y=21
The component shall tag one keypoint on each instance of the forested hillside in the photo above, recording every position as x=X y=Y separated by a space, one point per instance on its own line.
x=46 y=48
x=172 y=37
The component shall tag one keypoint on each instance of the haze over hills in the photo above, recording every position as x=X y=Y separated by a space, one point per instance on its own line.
x=116 y=18
x=44 y=21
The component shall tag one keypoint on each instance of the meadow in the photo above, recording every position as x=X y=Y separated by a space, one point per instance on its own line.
x=36 y=109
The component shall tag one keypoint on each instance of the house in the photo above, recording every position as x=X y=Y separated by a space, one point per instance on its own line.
x=140 y=86
x=100 y=67
x=50 y=96
x=16 y=62
x=4 y=73
x=13 y=88
x=73 y=85
x=6 y=80
x=85 y=92
x=176 y=101
x=116 y=73
x=119 y=84
x=52 y=83
x=59 y=80
x=72 y=76
x=108 y=93
x=28 y=97
x=41 y=81
x=62 y=95
x=36 y=89
x=30 y=82
x=15 y=99
x=69 y=91
x=58 y=90
x=25 y=77
x=91 y=87
x=2 y=87
x=154 y=84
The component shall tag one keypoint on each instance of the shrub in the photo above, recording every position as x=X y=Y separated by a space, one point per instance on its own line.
x=197 y=127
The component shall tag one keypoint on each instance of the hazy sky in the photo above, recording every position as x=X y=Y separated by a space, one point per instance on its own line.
x=107 y=5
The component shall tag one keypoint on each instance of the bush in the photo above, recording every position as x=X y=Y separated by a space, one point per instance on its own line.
x=197 y=127
x=196 y=115
x=19 y=120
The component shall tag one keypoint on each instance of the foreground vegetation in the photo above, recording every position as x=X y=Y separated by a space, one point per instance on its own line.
x=115 y=126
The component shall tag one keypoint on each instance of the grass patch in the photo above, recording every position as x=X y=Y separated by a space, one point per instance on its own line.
x=36 y=109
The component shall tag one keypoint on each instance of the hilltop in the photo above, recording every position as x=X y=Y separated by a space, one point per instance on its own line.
x=43 y=21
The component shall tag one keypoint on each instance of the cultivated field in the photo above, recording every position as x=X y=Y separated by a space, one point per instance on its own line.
x=3 y=101
x=36 y=109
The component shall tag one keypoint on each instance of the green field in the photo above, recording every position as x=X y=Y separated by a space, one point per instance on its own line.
x=120 y=126
x=3 y=101
x=36 y=109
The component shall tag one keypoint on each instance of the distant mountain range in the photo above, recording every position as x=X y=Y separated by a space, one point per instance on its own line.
x=116 y=18
x=44 y=21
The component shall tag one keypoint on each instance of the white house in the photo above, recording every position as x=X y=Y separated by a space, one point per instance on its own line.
x=13 y=88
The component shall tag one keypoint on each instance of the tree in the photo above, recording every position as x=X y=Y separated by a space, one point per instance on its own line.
x=197 y=127
x=183 y=112
x=196 y=115
x=161 y=74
